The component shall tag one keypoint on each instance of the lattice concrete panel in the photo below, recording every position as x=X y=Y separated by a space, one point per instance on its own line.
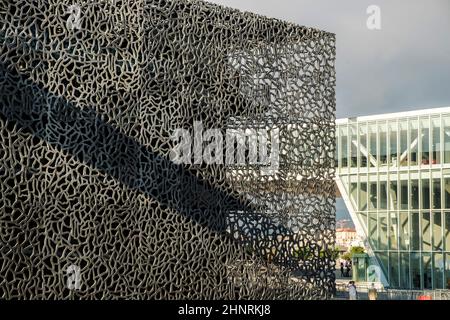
x=86 y=178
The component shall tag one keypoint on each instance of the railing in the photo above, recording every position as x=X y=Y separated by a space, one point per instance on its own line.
x=393 y=294
x=396 y=294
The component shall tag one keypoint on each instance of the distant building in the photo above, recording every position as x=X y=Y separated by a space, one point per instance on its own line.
x=393 y=173
x=345 y=237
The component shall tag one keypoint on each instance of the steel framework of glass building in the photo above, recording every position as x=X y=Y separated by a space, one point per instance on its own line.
x=393 y=172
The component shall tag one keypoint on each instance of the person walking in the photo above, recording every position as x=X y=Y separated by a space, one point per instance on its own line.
x=347 y=269
x=342 y=269
x=352 y=293
x=373 y=294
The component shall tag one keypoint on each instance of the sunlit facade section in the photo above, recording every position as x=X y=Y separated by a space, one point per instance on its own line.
x=394 y=170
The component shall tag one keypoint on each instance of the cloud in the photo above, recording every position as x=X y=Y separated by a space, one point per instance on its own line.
x=403 y=66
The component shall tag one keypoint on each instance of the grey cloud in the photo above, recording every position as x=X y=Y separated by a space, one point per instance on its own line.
x=404 y=66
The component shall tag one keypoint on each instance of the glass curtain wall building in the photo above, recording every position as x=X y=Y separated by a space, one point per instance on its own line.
x=393 y=171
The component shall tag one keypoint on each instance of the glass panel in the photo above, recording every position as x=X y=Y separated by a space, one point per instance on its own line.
x=404 y=231
x=447 y=192
x=383 y=257
x=383 y=144
x=436 y=140
x=438 y=271
x=373 y=192
x=427 y=270
x=393 y=157
x=336 y=153
x=415 y=231
x=383 y=193
x=425 y=193
x=447 y=231
x=414 y=199
x=437 y=231
x=393 y=193
x=373 y=143
x=404 y=194
x=353 y=146
x=403 y=143
x=344 y=146
x=363 y=196
x=415 y=271
x=373 y=230
x=383 y=230
x=404 y=270
x=363 y=145
x=447 y=271
x=361 y=269
x=393 y=270
x=446 y=121
x=393 y=231
x=362 y=216
x=425 y=141
x=414 y=142
x=354 y=193
x=426 y=231
x=436 y=191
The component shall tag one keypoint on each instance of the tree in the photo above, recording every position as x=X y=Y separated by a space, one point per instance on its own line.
x=353 y=250
x=356 y=250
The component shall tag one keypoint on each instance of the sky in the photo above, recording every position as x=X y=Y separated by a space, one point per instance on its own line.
x=403 y=66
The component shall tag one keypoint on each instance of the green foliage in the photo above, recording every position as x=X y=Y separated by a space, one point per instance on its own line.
x=347 y=256
x=356 y=250
x=353 y=250
x=306 y=254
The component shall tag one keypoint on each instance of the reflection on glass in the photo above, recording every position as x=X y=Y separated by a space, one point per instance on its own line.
x=363 y=145
x=438 y=271
x=373 y=144
x=353 y=146
x=393 y=157
x=437 y=231
x=426 y=231
x=363 y=196
x=404 y=194
x=415 y=270
x=383 y=257
x=447 y=231
x=336 y=154
x=446 y=193
x=393 y=194
x=415 y=231
x=425 y=193
x=383 y=144
x=404 y=270
x=354 y=192
x=414 y=142
x=383 y=230
x=427 y=270
x=403 y=154
x=425 y=141
x=447 y=271
x=436 y=140
x=404 y=230
x=393 y=231
x=394 y=270
x=344 y=151
x=414 y=199
x=446 y=121
x=373 y=238
x=373 y=192
x=436 y=193
x=383 y=195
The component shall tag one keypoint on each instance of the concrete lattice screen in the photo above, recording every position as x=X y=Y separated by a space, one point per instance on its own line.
x=86 y=117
